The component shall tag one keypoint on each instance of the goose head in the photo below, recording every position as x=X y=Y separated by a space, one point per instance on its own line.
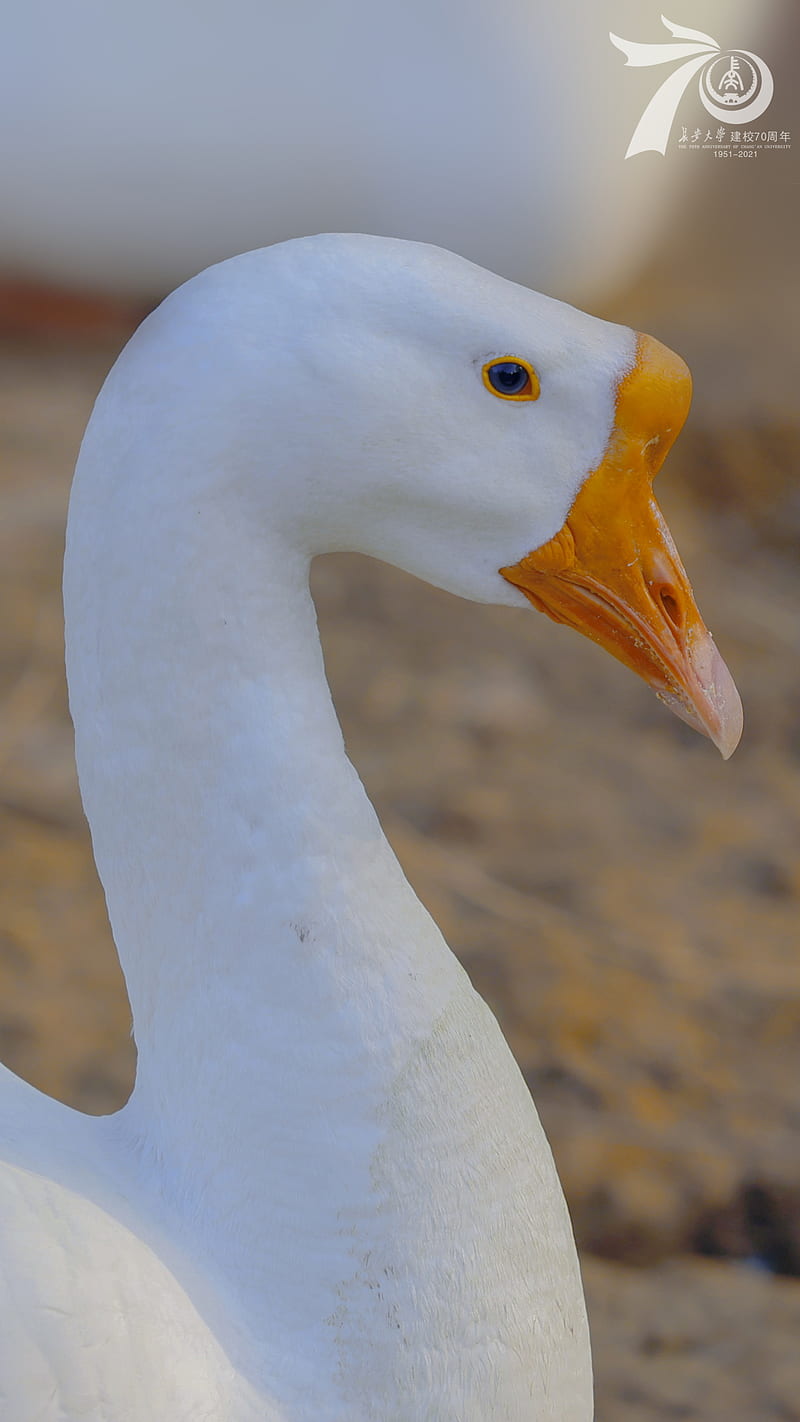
x=381 y=396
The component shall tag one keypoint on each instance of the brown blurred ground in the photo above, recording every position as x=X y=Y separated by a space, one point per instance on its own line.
x=627 y=902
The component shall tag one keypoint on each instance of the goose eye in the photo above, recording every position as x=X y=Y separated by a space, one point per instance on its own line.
x=511 y=379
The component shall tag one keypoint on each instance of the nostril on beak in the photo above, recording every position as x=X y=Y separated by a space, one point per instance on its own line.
x=671 y=608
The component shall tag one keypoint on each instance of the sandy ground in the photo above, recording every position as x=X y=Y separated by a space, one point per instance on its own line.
x=627 y=902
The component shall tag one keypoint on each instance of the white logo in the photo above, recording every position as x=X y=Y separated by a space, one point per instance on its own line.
x=733 y=83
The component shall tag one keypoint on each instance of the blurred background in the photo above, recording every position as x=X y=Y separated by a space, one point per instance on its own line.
x=626 y=902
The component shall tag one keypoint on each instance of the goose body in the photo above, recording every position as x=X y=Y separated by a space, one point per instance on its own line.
x=329 y=1196
x=142 y=142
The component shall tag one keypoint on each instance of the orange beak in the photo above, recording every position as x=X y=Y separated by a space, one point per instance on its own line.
x=613 y=571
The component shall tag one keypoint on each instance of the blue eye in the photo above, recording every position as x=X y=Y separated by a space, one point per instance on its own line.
x=511 y=379
x=508 y=377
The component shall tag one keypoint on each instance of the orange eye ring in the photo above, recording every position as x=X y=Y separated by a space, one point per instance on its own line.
x=511 y=378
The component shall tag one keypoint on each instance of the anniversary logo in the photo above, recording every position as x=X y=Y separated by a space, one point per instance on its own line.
x=734 y=84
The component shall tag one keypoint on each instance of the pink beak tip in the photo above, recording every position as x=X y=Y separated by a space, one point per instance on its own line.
x=720 y=708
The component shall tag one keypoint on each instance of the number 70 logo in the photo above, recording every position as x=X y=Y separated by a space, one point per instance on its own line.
x=734 y=84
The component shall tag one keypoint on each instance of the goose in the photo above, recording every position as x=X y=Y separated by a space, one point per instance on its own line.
x=143 y=142
x=329 y=1195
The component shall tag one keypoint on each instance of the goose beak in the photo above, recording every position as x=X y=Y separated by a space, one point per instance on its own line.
x=613 y=571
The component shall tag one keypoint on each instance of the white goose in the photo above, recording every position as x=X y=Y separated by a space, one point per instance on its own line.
x=329 y=1196
x=140 y=142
